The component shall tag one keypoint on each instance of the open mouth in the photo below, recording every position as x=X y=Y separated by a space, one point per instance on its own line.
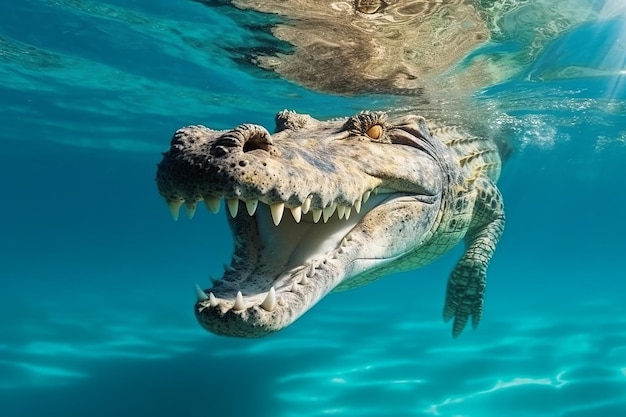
x=285 y=260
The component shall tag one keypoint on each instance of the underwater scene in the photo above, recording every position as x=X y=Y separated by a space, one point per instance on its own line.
x=98 y=282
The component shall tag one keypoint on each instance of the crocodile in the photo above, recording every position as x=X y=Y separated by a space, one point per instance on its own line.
x=318 y=206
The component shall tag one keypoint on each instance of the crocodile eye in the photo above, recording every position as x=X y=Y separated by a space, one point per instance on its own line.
x=375 y=132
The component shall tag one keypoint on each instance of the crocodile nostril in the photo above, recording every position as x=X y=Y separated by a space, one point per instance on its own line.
x=258 y=140
x=246 y=137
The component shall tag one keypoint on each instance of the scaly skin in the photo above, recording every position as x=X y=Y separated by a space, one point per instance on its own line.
x=368 y=197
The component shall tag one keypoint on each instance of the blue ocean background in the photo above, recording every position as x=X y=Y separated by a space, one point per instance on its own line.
x=96 y=280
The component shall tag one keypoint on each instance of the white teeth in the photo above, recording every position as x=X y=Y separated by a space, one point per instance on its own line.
x=348 y=211
x=190 y=209
x=233 y=206
x=316 y=215
x=296 y=212
x=328 y=211
x=304 y=280
x=366 y=196
x=212 y=300
x=239 y=305
x=174 y=206
x=228 y=268
x=269 y=304
x=281 y=302
x=375 y=191
x=357 y=206
x=251 y=206
x=306 y=206
x=277 y=212
x=213 y=204
x=341 y=211
x=201 y=295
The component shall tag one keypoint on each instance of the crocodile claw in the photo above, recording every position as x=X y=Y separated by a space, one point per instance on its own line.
x=464 y=296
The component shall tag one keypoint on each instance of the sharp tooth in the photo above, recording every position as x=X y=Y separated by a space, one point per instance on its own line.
x=357 y=206
x=239 y=305
x=277 y=212
x=251 y=206
x=228 y=268
x=375 y=191
x=306 y=206
x=311 y=271
x=328 y=211
x=190 y=209
x=316 y=215
x=212 y=300
x=341 y=211
x=174 y=206
x=233 y=206
x=281 y=301
x=304 y=280
x=201 y=295
x=269 y=304
x=366 y=196
x=213 y=204
x=348 y=211
x=296 y=212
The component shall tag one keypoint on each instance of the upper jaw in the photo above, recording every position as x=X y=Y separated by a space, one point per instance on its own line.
x=246 y=165
x=316 y=169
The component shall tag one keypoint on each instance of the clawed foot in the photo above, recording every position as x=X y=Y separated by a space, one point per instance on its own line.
x=464 y=296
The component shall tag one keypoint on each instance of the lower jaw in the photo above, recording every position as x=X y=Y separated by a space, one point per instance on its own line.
x=291 y=302
x=254 y=321
x=244 y=324
x=295 y=294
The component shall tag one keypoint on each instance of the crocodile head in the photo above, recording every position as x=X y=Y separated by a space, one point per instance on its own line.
x=315 y=206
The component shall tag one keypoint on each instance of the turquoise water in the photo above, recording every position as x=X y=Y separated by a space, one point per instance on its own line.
x=96 y=281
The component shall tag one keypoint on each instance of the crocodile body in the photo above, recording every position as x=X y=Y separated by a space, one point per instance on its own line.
x=362 y=197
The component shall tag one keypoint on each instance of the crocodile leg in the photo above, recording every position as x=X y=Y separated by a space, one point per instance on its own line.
x=466 y=285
